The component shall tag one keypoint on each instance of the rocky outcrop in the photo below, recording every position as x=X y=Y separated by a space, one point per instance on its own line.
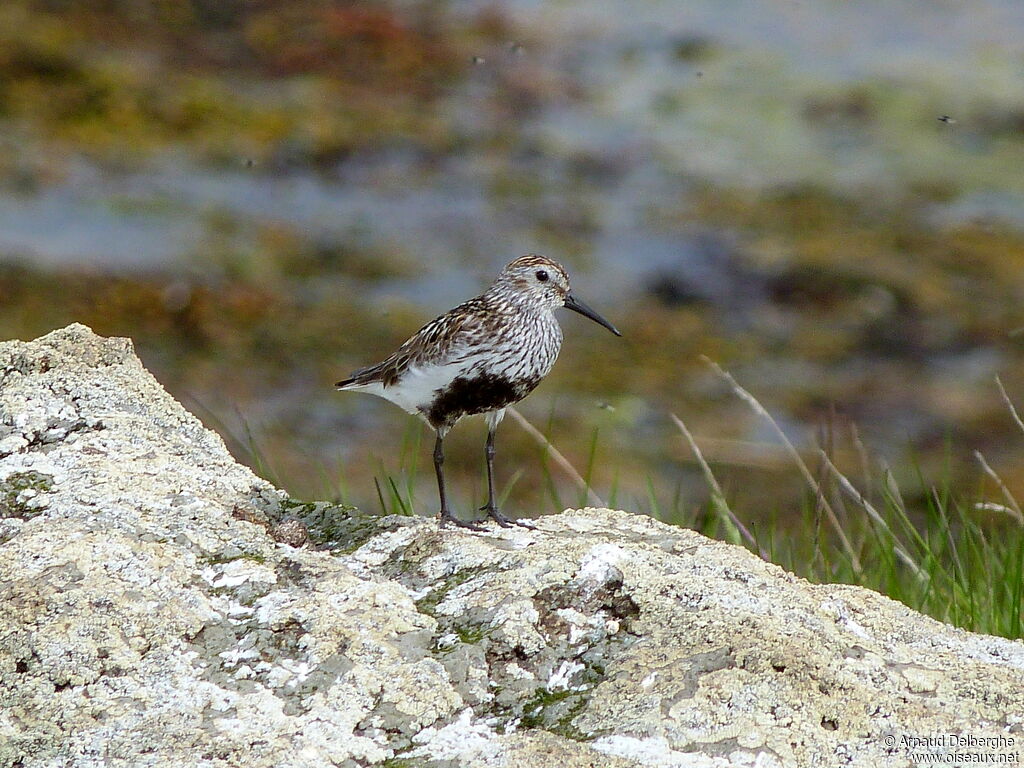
x=162 y=606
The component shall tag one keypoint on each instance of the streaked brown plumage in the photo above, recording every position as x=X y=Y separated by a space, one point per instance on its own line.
x=479 y=358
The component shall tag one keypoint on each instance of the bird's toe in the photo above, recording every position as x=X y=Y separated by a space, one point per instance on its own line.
x=502 y=520
x=447 y=517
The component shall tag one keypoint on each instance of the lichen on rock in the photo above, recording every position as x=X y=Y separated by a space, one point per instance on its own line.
x=165 y=606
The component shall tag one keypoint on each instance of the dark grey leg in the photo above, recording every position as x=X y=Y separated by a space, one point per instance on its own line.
x=446 y=515
x=491 y=507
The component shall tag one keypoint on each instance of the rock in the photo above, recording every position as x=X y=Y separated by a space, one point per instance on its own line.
x=165 y=607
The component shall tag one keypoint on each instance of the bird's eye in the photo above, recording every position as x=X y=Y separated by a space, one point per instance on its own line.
x=542 y=275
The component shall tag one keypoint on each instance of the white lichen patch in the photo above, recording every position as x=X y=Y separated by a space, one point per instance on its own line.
x=13 y=444
x=516 y=672
x=235 y=655
x=988 y=650
x=655 y=751
x=922 y=680
x=237 y=572
x=841 y=611
x=461 y=740
x=379 y=550
x=418 y=594
x=290 y=672
x=326 y=736
x=276 y=606
x=516 y=625
x=423 y=692
x=587 y=630
x=447 y=641
x=236 y=611
x=519 y=538
x=256 y=714
x=600 y=565
x=562 y=676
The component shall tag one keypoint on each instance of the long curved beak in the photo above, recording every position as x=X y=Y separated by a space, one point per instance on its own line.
x=571 y=302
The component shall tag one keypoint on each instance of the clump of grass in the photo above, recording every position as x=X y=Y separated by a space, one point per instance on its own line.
x=948 y=557
x=397 y=494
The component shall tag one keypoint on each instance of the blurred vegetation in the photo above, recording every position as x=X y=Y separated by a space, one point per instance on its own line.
x=303 y=80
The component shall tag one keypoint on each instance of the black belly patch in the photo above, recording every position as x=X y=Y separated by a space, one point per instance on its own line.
x=482 y=393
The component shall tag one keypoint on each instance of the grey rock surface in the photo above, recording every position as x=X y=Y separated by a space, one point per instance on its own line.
x=163 y=606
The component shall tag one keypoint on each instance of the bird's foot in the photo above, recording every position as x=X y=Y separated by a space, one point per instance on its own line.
x=504 y=522
x=446 y=517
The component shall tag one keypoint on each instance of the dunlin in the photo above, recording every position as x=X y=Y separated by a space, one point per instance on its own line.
x=479 y=358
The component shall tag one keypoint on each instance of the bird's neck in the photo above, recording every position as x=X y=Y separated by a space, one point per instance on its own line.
x=514 y=303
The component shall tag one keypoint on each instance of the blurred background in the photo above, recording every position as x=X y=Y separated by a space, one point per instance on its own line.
x=824 y=196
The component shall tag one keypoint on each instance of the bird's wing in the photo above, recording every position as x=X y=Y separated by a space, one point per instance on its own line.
x=445 y=339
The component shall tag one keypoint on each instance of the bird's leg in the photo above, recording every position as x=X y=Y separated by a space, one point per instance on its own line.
x=446 y=515
x=490 y=507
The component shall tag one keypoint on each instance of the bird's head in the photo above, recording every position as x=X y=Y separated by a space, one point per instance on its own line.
x=545 y=283
x=537 y=279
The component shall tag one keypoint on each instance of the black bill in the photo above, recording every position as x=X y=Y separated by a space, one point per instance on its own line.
x=571 y=302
